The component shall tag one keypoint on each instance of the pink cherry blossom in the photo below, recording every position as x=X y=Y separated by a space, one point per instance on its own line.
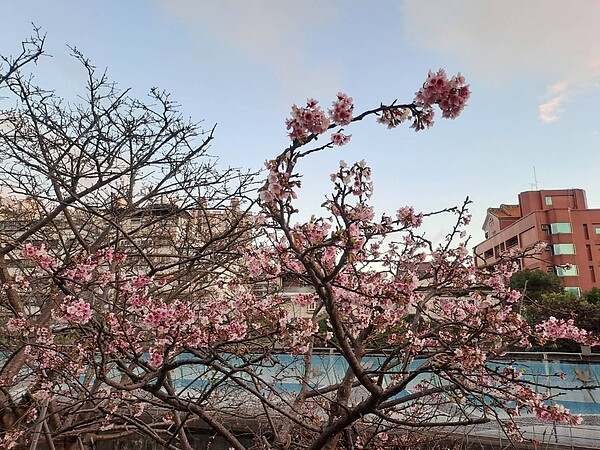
x=450 y=95
x=407 y=217
x=305 y=121
x=392 y=117
x=341 y=112
x=11 y=439
x=74 y=310
x=340 y=139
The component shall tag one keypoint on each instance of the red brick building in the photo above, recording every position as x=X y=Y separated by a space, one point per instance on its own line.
x=562 y=220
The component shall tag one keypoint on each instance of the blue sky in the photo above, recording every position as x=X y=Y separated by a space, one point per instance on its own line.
x=533 y=67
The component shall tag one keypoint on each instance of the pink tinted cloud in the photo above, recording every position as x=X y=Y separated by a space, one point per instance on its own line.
x=501 y=42
x=552 y=109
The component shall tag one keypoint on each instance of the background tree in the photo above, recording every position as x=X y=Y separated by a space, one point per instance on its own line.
x=534 y=283
x=592 y=296
x=103 y=339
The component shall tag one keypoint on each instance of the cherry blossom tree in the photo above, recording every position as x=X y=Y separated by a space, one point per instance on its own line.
x=110 y=174
x=395 y=332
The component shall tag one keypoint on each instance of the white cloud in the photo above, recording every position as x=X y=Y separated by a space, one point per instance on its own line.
x=274 y=34
x=512 y=39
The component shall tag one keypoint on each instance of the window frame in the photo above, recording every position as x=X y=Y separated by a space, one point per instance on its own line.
x=557 y=228
x=573 y=271
x=561 y=252
x=570 y=289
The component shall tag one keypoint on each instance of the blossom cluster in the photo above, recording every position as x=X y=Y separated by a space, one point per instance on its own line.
x=392 y=117
x=450 y=95
x=278 y=185
x=342 y=110
x=354 y=179
x=536 y=402
x=40 y=255
x=76 y=311
x=554 y=328
x=340 y=138
x=308 y=120
x=11 y=439
x=311 y=119
x=407 y=217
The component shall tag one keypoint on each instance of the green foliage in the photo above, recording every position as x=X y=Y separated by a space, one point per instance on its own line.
x=592 y=296
x=535 y=283
x=560 y=305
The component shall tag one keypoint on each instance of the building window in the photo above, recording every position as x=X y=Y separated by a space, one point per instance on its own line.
x=488 y=253
x=586 y=234
x=561 y=228
x=548 y=201
x=573 y=290
x=312 y=307
x=563 y=249
x=597 y=230
x=567 y=271
x=512 y=242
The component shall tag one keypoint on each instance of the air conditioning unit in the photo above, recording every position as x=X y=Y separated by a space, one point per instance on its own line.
x=545 y=226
